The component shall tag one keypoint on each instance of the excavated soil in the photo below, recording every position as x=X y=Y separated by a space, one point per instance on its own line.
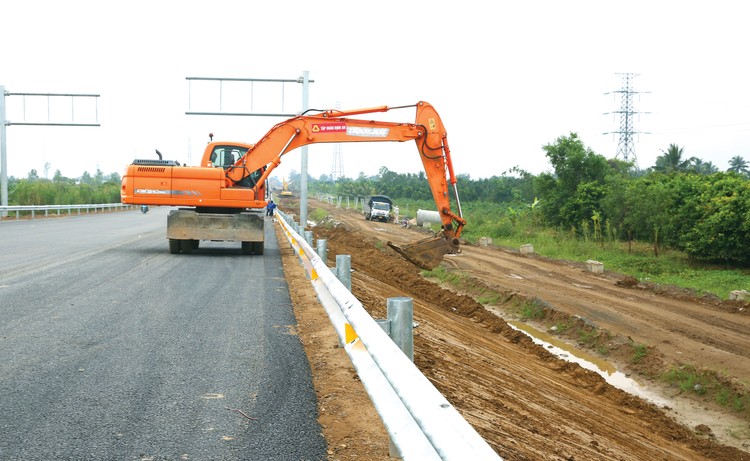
x=526 y=402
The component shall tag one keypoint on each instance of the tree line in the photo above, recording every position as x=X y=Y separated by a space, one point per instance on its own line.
x=61 y=190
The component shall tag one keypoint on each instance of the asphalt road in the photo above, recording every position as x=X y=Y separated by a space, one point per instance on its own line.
x=111 y=348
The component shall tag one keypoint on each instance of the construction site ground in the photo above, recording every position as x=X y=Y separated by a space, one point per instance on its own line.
x=526 y=402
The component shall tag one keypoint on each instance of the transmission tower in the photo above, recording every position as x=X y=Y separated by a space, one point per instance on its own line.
x=337 y=169
x=626 y=145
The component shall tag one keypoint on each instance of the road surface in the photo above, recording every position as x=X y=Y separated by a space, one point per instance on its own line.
x=113 y=348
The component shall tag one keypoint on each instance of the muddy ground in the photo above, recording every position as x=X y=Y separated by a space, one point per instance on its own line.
x=526 y=402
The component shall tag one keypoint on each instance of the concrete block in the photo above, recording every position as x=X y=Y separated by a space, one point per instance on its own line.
x=595 y=266
x=739 y=295
x=527 y=249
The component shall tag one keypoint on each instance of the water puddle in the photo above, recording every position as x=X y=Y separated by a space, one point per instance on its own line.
x=588 y=361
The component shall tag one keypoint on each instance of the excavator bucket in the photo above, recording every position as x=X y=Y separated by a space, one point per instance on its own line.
x=426 y=254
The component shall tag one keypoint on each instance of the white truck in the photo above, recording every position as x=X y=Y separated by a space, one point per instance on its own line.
x=377 y=207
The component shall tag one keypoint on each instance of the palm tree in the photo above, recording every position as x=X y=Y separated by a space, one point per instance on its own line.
x=738 y=165
x=672 y=160
x=701 y=167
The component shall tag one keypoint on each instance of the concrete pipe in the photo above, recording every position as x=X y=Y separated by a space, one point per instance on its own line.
x=427 y=216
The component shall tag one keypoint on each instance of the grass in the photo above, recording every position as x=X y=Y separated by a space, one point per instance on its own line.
x=531 y=311
x=318 y=215
x=709 y=384
x=640 y=351
x=453 y=278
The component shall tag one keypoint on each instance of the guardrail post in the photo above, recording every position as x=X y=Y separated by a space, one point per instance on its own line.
x=344 y=270
x=399 y=326
x=309 y=237
x=322 y=250
x=401 y=317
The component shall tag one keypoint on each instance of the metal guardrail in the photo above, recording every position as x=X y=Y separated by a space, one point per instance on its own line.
x=421 y=423
x=86 y=208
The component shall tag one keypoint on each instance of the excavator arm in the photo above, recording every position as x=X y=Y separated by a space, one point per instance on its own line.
x=335 y=126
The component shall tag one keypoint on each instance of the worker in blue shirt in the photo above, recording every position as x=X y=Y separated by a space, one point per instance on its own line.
x=270 y=207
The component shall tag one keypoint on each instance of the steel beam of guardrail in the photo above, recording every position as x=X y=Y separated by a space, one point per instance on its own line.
x=33 y=209
x=420 y=421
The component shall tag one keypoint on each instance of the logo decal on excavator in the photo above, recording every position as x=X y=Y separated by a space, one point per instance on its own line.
x=433 y=125
x=167 y=192
x=367 y=132
x=328 y=127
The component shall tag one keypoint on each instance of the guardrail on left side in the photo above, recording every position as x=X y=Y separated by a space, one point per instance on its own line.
x=79 y=208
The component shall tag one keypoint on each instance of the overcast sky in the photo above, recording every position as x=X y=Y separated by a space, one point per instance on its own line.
x=506 y=77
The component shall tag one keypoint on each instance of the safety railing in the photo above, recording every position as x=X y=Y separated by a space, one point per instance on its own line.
x=421 y=423
x=59 y=209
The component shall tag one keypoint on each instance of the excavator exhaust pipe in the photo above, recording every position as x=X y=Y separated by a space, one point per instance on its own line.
x=426 y=254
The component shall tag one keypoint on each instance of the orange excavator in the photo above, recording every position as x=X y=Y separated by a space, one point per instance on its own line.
x=222 y=199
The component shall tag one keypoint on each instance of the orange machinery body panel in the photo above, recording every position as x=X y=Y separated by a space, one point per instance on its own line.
x=183 y=186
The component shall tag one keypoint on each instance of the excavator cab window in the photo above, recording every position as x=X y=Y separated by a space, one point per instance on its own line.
x=226 y=156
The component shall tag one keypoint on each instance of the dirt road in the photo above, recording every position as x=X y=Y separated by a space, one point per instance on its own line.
x=526 y=402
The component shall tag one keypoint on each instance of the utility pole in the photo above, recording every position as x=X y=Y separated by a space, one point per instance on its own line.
x=626 y=144
x=3 y=156
x=305 y=79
